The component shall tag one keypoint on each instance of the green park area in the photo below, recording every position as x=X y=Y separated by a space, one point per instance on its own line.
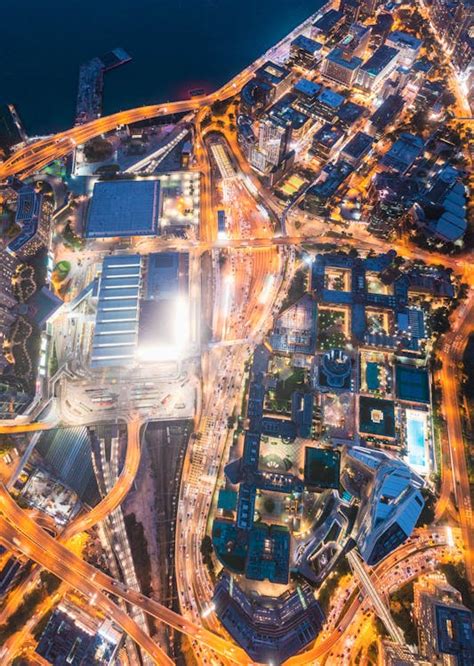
x=61 y=270
x=279 y=398
x=330 y=329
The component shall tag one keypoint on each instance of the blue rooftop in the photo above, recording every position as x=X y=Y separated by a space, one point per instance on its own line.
x=307 y=44
x=307 y=88
x=405 y=39
x=379 y=60
x=328 y=21
x=124 y=208
x=339 y=56
x=331 y=98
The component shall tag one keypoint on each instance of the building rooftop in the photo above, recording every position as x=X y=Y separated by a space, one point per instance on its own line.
x=412 y=383
x=443 y=209
x=272 y=73
x=285 y=114
x=321 y=468
x=28 y=215
x=268 y=553
x=403 y=153
x=295 y=328
x=307 y=88
x=328 y=21
x=350 y=113
x=307 y=44
x=124 y=208
x=404 y=39
x=341 y=57
x=270 y=629
x=331 y=98
x=387 y=111
x=328 y=135
x=333 y=177
x=358 y=146
x=379 y=60
x=116 y=325
x=377 y=416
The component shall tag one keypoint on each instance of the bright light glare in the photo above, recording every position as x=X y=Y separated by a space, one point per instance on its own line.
x=207 y=611
x=449 y=536
x=265 y=293
x=170 y=352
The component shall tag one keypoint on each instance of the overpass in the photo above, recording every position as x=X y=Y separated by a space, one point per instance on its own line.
x=380 y=607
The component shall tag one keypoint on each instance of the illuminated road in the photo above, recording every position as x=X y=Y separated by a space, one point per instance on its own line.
x=257 y=273
x=455 y=476
x=23 y=534
x=39 y=154
x=115 y=497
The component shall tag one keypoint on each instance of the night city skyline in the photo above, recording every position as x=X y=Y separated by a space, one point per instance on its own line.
x=237 y=337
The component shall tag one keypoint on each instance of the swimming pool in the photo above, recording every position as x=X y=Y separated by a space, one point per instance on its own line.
x=417 y=437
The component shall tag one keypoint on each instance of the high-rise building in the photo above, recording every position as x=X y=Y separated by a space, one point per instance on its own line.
x=8 y=266
x=444 y=623
x=368 y=7
x=382 y=28
x=350 y=9
x=389 y=492
x=394 y=654
x=273 y=140
x=11 y=129
x=33 y=216
x=357 y=40
x=454 y=21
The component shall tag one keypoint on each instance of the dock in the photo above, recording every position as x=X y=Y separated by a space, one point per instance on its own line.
x=91 y=84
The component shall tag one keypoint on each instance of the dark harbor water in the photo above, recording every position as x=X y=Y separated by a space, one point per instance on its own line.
x=176 y=46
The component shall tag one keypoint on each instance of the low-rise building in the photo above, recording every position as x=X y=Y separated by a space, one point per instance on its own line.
x=327 y=139
x=357 y=148
x=305 y=51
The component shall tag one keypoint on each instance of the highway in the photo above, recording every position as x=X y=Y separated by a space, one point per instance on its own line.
x=22 y=533
x=455 y=475
x=119 y=491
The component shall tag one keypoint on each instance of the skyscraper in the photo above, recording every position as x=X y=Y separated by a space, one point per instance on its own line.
x=273 y=140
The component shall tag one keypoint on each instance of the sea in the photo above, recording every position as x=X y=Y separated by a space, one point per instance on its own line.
x=176 y=46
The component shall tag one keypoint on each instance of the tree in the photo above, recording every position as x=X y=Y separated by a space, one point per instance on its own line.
x=269 y=505
x=98 y=149
x=439 y=321
x=427 y=514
